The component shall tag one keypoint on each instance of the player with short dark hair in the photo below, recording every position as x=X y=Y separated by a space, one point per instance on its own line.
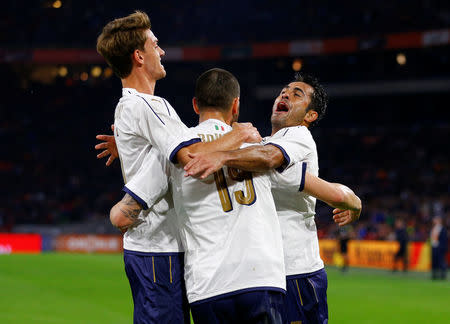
x=334 y=194
x=216 y=89
x=291 y=150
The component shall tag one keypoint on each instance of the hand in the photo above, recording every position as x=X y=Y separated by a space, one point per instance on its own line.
x=344 y=217
x=109 y=146
x=202 y=165
x=248 y=131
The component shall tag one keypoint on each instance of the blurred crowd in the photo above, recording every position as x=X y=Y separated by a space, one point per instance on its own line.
x=400 y=172
x=70 y=23
x=392 y=150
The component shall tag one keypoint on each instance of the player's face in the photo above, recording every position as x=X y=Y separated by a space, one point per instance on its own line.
x=152 y=56
x=290 y=107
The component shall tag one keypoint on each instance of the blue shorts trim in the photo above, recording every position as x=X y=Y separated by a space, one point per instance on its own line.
x=237 y=292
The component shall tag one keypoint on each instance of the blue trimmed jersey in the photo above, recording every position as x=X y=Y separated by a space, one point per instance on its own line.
x=145 y=125
x=227 y=223
x=228 y=227
x=296 y=210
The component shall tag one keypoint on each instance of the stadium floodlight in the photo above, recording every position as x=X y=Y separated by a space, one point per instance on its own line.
x=96 y=71
x=297 y=65
x=57 y=4
x=401 y=59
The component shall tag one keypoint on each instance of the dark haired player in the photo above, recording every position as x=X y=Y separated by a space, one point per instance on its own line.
x=291 y=150
x=296 y=172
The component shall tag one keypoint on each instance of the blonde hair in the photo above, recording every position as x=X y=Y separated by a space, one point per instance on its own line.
x=120 y=38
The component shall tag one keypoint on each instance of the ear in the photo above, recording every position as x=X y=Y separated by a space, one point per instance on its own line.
x=311 y=116
x=137 y=57
x=235 y=106
x=195 y=106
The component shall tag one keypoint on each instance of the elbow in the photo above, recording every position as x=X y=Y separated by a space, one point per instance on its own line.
x=338 y=198
x=117 y=218
x=273 y=157
x=345 y=198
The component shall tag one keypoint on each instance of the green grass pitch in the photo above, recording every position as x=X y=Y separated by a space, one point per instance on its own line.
x=92 y=289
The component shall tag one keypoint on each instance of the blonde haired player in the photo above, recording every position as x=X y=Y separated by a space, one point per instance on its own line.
x=145 y=123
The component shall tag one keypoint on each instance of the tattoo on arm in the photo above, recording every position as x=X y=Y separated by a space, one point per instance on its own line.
x=130 y=207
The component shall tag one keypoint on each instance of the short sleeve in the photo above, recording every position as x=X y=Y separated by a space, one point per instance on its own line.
x=292 y=179
x=296 y=143
x=159 y=123
x=150 y=183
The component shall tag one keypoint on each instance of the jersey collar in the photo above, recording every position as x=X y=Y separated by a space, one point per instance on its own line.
x=129 y=91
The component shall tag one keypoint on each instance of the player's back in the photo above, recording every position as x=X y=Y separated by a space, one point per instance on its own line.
x=229 y=229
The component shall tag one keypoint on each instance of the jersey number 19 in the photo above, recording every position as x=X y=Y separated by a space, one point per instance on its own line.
x=241 y=198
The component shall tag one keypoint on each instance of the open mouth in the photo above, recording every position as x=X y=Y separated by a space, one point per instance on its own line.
x=282 y=107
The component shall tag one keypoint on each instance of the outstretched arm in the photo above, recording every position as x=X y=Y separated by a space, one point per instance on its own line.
x=262 y=158
x=124 y=214
x=347 y=205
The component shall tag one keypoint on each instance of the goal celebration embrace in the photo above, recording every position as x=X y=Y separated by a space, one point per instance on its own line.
x=225 y=162
x=217 y=221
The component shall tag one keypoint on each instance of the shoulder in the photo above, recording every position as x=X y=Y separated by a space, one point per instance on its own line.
x=298 y=131
x=144 y=103
x=294 y=133
x=158 y=100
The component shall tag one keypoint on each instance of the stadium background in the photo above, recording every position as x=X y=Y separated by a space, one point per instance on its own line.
x=386 y=135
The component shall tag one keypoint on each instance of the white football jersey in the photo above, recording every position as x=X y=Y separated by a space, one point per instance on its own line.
x=144 y=123
x=229 y=229
x=295 y=209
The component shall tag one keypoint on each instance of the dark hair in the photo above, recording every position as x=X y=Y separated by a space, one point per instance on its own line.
x=319 y=98
x=216 y=88
x=120 y=38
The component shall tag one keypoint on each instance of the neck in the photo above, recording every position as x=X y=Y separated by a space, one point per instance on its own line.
x=206 y=114
x=139 y=81
x=275 y=127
